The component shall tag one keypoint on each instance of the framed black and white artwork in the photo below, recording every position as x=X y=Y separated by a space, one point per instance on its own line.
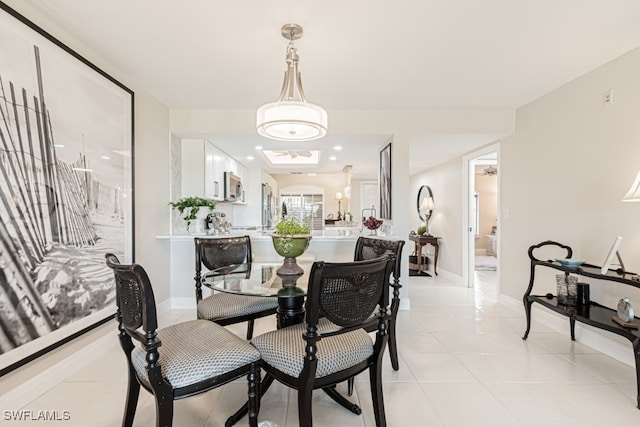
x=66 y=190
x=385 y=182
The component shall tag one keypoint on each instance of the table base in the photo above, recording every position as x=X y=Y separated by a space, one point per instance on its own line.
x=290 y=311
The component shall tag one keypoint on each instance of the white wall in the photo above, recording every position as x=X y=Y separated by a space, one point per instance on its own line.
x=564 y=171
x=446 y=222
x=562 y=175
x=152 y=185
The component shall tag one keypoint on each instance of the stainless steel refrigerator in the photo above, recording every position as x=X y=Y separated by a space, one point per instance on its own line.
x=268 y=206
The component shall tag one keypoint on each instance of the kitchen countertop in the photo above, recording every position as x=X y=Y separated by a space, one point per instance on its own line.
x=329 y=234
x=264 y=235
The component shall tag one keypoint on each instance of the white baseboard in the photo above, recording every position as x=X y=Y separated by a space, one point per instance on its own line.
x=183 y=303
x=447 y=275
x=163 y=306
x=588 y=335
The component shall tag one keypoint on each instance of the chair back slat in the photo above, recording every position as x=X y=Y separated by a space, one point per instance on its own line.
x=134 y=297
x=347 y=293
x=215 y=253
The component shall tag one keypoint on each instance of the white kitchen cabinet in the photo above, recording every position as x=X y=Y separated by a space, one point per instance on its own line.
x=217 y=173
x=203 y=168
x=233 y=166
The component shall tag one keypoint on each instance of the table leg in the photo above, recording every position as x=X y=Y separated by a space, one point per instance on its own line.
x=435 y=257
x=418 y=250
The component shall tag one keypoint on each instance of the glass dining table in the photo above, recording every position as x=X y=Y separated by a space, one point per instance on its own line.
x=260 y=279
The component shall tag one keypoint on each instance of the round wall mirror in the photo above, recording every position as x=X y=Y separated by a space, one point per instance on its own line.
x=425 y=203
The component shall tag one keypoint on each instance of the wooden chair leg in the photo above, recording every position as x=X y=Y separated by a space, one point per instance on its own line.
x=254 y=395
x=391 y=342
x=305 y=394
x=263 y=387
x=393 y=346
x=164 y=411
x=250 y=329
x=375 y=378
x=133 y=393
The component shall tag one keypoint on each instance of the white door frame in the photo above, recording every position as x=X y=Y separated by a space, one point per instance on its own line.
x=468 y=238
x=363 y=191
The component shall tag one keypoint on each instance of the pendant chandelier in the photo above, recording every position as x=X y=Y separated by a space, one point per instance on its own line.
x=291 y=117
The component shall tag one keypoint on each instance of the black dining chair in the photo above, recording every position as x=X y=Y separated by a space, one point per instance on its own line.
x=180 y=360
x=369 y=248
x=332 y=344
x=225 y=308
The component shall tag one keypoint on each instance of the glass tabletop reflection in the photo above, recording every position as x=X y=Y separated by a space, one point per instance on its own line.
x=258 y=279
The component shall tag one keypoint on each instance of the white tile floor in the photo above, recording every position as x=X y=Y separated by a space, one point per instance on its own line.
x=462 y=363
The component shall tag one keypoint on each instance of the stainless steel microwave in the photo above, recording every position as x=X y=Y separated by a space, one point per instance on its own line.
x=232 y=187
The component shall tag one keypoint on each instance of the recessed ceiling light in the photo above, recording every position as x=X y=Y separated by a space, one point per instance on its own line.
x=58 y=145
x=338 y=147
x=105 y=157
x=332 y=158
x=258 y=147
x=311 y=174
x=249 y=157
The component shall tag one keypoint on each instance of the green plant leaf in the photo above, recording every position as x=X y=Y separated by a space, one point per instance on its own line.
x=291 y=225
x=195 y=203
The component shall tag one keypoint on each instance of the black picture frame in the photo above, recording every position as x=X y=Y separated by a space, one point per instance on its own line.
x=385 y=182
x=66 y=162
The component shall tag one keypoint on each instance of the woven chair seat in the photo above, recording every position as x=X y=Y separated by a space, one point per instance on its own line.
x=223 y=305
x=196 y=350
x=284 y=349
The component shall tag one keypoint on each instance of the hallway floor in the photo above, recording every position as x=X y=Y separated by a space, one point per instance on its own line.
x=462 y=363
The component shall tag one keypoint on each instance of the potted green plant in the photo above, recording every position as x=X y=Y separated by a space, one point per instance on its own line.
x=194 y=208
x=290 y=239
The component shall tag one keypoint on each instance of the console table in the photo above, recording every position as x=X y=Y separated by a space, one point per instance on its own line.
x=421 y=241
x=592 y=314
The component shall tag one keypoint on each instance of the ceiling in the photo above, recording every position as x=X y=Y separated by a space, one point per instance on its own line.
x=354 y=55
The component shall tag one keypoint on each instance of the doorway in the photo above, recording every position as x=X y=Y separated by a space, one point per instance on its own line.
x=482 y=200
